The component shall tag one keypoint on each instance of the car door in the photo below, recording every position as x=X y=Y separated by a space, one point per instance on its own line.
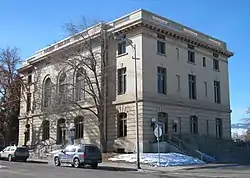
x=5 y=152
x=63 y=155
x=70 y=154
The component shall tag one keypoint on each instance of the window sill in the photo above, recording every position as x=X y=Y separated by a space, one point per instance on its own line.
x=191 y=62
x=164 y=94
x=217 y=103
x=161 y=54
x=120 y=137
x=121 y=94
x=120 y=55
x=216 y=70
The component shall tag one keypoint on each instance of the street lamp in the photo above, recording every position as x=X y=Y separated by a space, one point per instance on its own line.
x=130 y=42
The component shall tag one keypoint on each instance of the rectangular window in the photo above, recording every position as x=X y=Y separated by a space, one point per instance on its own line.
x=122 y=125
x=216 y=65
x=161 y=80
x=178 y=83
x=179 y=119
x=29 y=77
x=207 y=127
x=217 y=94
x=192 y=86
x=205 y=88
x=194 y=125
x=161 y=45
x=28 y=106
x=122 y=83
x=204 y=62
x=122 y=47
x=218 y=123
x=191 y=54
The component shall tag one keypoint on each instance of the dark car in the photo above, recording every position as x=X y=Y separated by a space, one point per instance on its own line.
x=77 y=155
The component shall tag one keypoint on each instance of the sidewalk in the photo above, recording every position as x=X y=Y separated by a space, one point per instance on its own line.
x=107 y=165
x=165 y=169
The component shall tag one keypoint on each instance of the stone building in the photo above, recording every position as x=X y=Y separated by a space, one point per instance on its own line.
x=182 y=80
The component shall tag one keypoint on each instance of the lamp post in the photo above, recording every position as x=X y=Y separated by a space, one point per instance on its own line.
x=123 y=38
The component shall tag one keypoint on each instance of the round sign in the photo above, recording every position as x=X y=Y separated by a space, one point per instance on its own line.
x=158 y=131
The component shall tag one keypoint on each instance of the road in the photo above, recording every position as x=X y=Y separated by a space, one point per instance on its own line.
x=34 y=170
x=220 y=172
x=38 y=170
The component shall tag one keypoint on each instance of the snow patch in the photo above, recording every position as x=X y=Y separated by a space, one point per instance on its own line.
x=166 y=159
x=2 y=166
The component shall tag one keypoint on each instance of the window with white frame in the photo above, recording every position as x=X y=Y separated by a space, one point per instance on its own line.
x=122 y=121
x=192 y=86
x=161 y=45
x=122 y=81
x=161 y=80
x=217 y=93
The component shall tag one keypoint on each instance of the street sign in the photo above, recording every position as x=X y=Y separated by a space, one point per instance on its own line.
x=158 y=131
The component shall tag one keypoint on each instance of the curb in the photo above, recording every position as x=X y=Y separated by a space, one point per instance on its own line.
x=211 y=166
x=37 y=161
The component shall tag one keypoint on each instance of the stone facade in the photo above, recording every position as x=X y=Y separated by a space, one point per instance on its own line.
x=148 y=32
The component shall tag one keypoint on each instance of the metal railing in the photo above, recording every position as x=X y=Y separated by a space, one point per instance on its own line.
x=182 y=146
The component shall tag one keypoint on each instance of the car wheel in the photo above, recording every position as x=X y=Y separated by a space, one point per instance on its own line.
x=76 y=163
x=57 y=161
x=94 y=165
x=9 y=158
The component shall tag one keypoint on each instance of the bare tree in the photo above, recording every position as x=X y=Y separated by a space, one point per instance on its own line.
x=10 y=87
x=88 y=59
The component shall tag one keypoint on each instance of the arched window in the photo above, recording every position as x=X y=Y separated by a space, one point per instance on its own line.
x=194 y=124
x=46 y=130
x=122 y=124
x=218 y=123
x=62 y=87
x=61 y=131
x=47 y=92
x=163 y=118
x=79 y=87
x=78 y=121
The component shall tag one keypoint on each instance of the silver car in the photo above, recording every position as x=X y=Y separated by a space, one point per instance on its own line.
x=78 y=155
x=15 y=153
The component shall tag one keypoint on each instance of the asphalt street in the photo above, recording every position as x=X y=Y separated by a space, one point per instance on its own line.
x=38 y=170
x=215 y=172
x=34 y=170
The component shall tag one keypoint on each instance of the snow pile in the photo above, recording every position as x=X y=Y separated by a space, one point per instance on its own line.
x=166 y=159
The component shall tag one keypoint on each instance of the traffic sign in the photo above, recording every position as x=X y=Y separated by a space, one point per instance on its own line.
x=158 y=131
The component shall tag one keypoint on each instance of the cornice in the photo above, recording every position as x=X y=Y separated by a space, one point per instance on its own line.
x=177 y=36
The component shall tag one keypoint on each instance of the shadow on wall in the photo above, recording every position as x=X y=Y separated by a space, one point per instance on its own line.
x=91 y=130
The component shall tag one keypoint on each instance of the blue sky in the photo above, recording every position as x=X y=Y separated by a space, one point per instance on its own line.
x=32 y=25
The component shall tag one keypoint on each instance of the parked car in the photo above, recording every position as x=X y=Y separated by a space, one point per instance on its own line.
x=15 y=153
x=77 y=155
